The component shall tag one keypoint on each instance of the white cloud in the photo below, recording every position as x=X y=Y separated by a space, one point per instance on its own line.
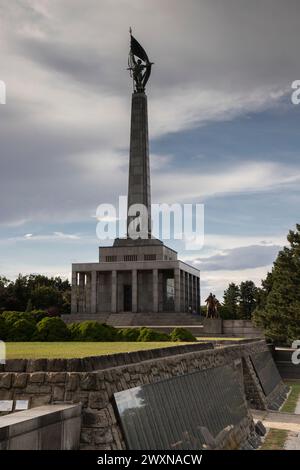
x=218 y=281
x=242 y=178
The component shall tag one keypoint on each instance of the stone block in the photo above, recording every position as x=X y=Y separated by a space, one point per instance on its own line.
x=57 y=365
x=38 y=389
x=36 y=365
x=98 y=399
x=95 y=419
x=40 y=400
x=6 y=380
x=88 y=381
x=20 y=380
x=87 y=435
x=56 y=377
x=103 y=436
x=15 y=365
x=58 y=393
x=37 y=377
x=6 y=394
x=72 y=381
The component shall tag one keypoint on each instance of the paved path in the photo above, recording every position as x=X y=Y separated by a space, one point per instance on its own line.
x=277 y=420
x=288 y=421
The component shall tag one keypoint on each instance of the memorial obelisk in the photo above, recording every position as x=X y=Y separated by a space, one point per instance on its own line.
x=139 y=191
x=139 y=273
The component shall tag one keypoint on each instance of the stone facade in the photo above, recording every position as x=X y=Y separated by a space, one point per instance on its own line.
x=135 y=286
x=93 y=381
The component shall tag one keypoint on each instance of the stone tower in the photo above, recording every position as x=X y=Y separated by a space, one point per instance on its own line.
x=139 y=191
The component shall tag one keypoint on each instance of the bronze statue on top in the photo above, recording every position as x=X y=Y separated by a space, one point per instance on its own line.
x=212 y=306
x=139 y=65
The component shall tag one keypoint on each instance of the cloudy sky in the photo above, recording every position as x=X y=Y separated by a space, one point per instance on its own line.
x=222 y=126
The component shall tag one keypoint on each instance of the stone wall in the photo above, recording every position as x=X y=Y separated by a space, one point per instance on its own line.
x=241 y=328
x=93 y=381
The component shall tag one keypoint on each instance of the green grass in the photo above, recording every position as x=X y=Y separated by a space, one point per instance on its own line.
x=218 y=338
x=291 y=402
x=275 y=439
x=32 y=350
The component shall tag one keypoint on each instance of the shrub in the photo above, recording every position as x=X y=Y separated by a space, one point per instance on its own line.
x=95 y=331
x=22 y=330
x=147 y=334
x=52 y=329
x=11 y=317
x=74 y=329
x=38 y=315
x=129 y=334
x=3 y=329
x=181 y=334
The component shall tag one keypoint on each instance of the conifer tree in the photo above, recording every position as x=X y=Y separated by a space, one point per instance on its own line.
x=280 y=313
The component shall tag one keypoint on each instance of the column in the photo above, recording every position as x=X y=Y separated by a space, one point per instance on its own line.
x=87 y=293
x=183 y=292
x=94 y=292
x=114 y=291
x=187 y=300
x=190 y=293
x=198 y=296
x=81 y=292
x=177 y=289
x=74 y=303
x=155 y=290
x=134 y=291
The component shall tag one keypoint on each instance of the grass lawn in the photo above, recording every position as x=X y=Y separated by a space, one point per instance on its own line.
x=275 y=439
x=291 y=402
x=34 y=350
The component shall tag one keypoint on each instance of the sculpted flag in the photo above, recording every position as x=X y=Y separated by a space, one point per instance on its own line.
x=138 y=50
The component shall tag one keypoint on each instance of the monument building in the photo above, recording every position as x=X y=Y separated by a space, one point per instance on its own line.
x=136 y=274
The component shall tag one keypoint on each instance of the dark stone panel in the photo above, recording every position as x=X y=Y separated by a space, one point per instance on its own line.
x=266 y=371
x=183 y=412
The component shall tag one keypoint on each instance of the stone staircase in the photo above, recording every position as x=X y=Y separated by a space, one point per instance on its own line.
x=137 y=319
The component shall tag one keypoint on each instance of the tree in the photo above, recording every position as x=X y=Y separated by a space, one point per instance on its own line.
x=27 y=292
x=231 y=300
x=44 y=297
x=279 y=313
x=247 y=300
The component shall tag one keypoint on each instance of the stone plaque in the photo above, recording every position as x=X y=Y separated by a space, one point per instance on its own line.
x=183 y=412
x=22 y=405
x=6 y=405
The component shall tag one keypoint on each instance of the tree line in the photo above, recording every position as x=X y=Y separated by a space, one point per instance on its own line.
x=35 y=292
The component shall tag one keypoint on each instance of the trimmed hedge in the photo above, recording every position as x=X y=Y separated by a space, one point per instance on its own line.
x=37 y=326
x=129 y=334
x=181 y=334
x=22 y=330
x=52 y=329
x=147 y=334
x=93 y=331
